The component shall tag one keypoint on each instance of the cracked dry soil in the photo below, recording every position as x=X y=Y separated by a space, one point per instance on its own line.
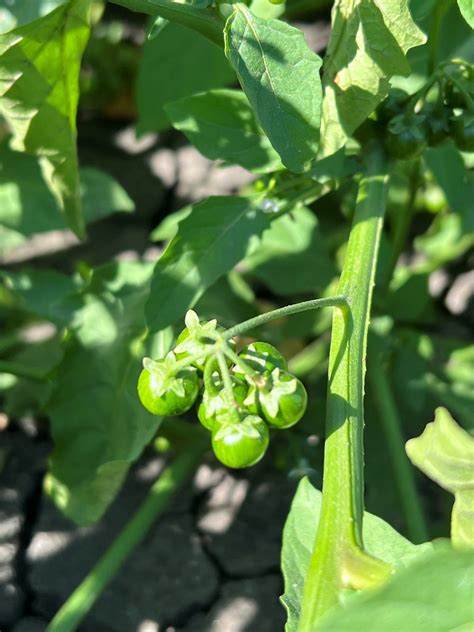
x=210 y=563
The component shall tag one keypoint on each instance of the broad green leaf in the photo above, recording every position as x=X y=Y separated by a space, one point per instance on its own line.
x=454 y=40
x=292 y=257
x=429 y=370
x=280 y=76
x=409 y=299
x=210 y=241
x=23 y=396
x=457 y=182
x=221 y=124
x=167 y=229
x=176 y=64
x=97 y=423
x=39 y=73
x=433 y=595
x=28 y=207
x=445 y=453
x=446 y=239
x=298 y=540
x=15 y=13
x=43 y=293
x=467 y=9
x=338 y=165
x=368 y=45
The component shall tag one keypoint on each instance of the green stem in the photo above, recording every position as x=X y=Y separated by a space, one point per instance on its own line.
x=228 y=389
x=304 y=306
x=403 y=220
x=464 y=92
x=21 y=370
x=403 y=470
x=82 y=599
x=338 y=559
x=236 y=359
x=209 y=368
x=205 y=21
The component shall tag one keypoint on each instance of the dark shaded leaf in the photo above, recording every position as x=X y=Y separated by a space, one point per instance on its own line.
x=176 y=64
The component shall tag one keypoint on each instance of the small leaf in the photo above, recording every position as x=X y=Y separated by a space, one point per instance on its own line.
x=445 y=453
x=176 y=64
x=467 y=9
x=286 y=103
x=39 y=73
x=433 y=595
x=369 y=41
x=209 y=243
x=222 y=126
x=380 y=539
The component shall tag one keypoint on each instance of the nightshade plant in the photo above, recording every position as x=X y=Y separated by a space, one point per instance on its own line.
x=395 y=101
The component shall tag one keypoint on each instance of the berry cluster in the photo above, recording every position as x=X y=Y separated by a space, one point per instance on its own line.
x=238 y=396
x=410 y=128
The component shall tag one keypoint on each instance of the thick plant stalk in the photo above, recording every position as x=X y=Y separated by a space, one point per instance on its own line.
x=83 y=598
x=338 y=559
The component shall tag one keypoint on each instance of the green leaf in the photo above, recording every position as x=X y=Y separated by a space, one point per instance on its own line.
x=176 y=64
x=210 y=241
x=433 y=595
x=292 y=257
x=429 y=370
x=445 y=453
x=454 y=40
x=167 y=229
x=97 y=423
x=446 y=239
x=467 y=9
x=368 y=45
x=229 y=300
x=28 y=207
x=43 y=293
x=23 y=396
x=221 y=124
x=286 y=103
x=457 y=182
x=409 y=299
x=15 y=13
x=299 y=534
x=39 y=73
